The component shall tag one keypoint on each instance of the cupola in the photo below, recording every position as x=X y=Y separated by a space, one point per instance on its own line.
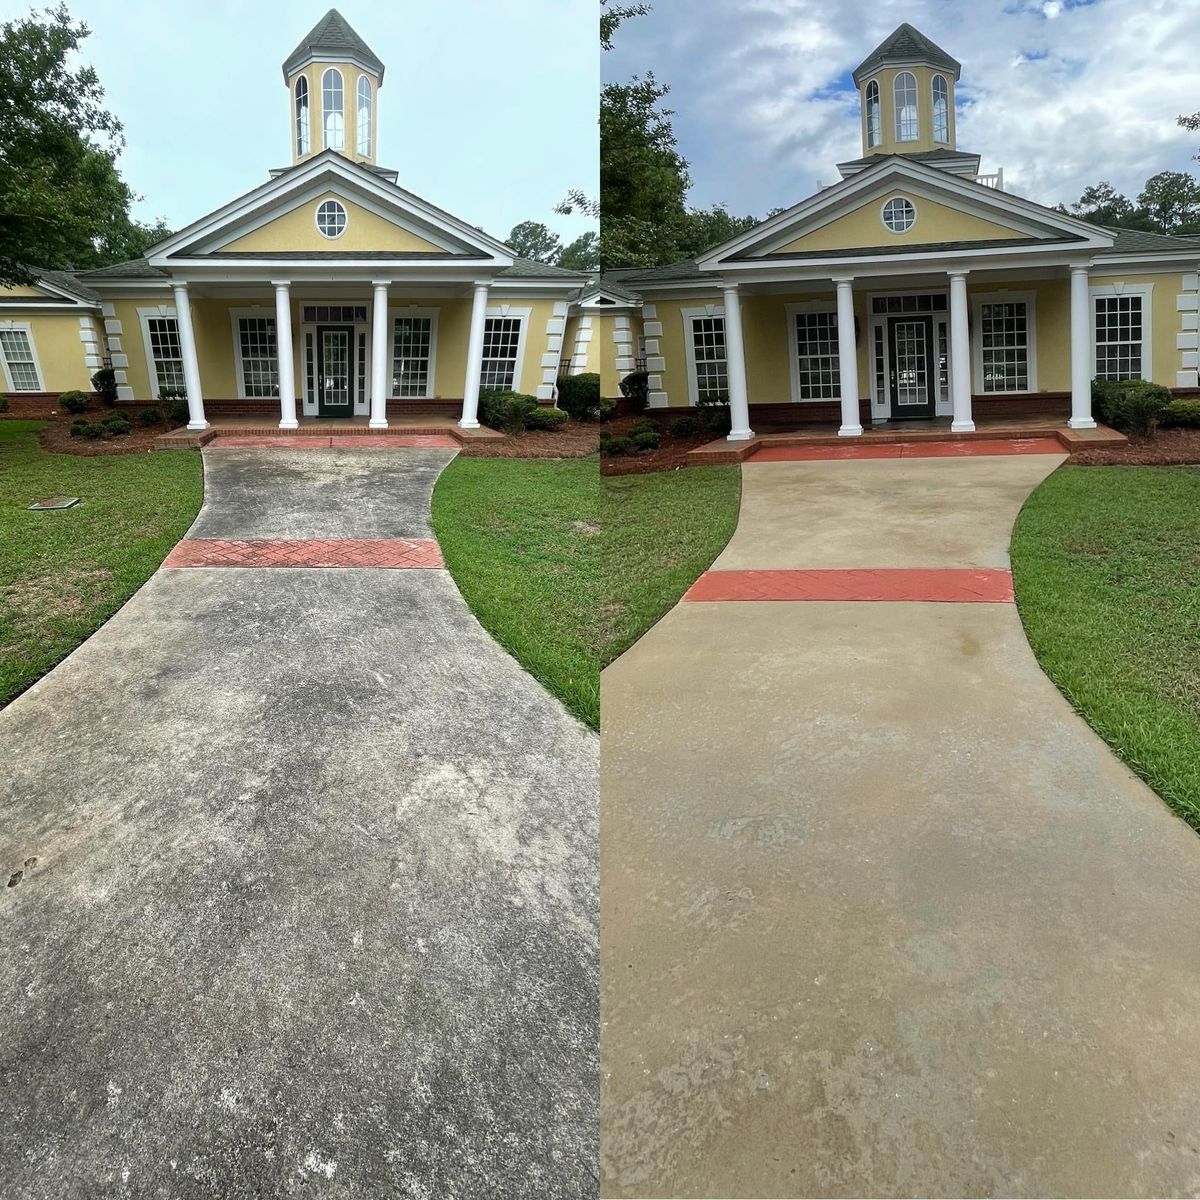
x=334 y=79
x=906 y=85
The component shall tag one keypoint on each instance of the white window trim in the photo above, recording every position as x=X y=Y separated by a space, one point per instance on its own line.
x=306 y=143
x=882 y=404
x=807 y=306
x=933 y=108
x=258 y=312
x=1119 y=288
x=411 y=310
x=330 y=237
x=509 y=310
x=370 y=115
x=872 y=142
x=883 y=219
x=144 y=317
x=897 y=108
x=26 y=328
x=689 y=346
x=978 y=300
x=326 y=112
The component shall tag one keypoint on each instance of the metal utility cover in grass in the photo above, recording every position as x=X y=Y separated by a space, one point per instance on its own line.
x=51 y=502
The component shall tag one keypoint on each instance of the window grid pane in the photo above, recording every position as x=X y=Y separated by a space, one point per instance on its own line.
x=819 y=372
x=708 y=343
x=941 y=110
x=333 y=108
x=321 y=314
x=303 y=135
x=1118 y=337
x=1004 y=339
x=364 y=116
x=18 y=354
x=874 y=123
x=260 y=357
x=501 y=340
x=905 y=92
x=165 y=353
x=411 y=338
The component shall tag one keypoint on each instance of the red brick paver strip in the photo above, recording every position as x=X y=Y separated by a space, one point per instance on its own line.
x=964 y=448
x=389 y=553
x=948 y=585
x=373 y=441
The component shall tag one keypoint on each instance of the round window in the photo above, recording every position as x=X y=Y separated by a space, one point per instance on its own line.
x=331 y=219
x=899 y=214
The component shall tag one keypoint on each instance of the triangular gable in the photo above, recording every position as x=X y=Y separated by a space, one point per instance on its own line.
x=950 y=210
x=280 y=216
x=602 y=298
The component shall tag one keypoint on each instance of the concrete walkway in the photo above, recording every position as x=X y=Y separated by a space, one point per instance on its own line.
x=882 y=917
x=314 y=902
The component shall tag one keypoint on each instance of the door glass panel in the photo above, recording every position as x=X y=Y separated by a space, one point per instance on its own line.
x=912 y=366
x=335 y=361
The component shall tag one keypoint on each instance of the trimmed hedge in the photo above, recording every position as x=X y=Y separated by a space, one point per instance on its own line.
x=543 y=417
x=506 y=411
x=1130 y=405
x=1181 y=414
x=579 y=397
x=635 y=387
x=73 y=401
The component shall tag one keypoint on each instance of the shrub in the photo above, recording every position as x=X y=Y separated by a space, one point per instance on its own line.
x=73 y=402
x=151 y=416
x=3 y=402
x=579 y=397
x=93 y=432
x=104 y=383
x=1181 y=414
x=605 y=409
x=77 y=428
x=1130 y=405
x=616 y=445
x=547 y=418
x=713 y=414
x=174 y=403
x=636 y=390
x=505 y=410
x=116 y=423
x=642 y=424
x=646 y=439
x=685 y=426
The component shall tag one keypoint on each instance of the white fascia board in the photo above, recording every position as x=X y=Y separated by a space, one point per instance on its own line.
x=301 y=271
x=1167 y=260
x=69 y=298
x=885 y=173
x=38 y=306
x=321 y=168
x=131 y=285
x=541 y=287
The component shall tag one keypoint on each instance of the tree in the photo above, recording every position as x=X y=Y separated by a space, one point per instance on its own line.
x=63 y=202
x=1171 y=200
x=531 y=239
x=583 y=254
x=611 y=15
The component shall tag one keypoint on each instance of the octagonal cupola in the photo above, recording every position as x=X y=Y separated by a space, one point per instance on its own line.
x=334 y=79
x=906 y=85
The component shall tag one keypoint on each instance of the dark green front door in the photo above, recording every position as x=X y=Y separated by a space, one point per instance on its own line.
x=913 y=378
x=335 y=371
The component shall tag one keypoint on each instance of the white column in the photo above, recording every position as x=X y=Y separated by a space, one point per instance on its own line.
x=847 y=359
x=1081 y=351
x=191 y=367
x=380 y=375
x=735 y=368
x=960 y=355
x=470 y=408
x=286 y=355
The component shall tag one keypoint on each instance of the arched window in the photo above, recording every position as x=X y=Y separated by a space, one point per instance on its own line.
x=333 y=106
x=303 y=128
x=364 y=116
x=905 y=91
x=874 y=121
x=941 y=109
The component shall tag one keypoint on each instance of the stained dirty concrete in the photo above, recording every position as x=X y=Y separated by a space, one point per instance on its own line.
x=314 y=905
x=882 y=916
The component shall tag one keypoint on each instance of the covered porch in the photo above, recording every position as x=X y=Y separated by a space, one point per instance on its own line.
x=935 y=352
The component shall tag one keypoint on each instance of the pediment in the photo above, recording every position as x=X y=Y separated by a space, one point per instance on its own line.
x=950 y=211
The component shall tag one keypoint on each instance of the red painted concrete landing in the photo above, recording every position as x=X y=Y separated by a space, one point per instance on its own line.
x=378 y=441
x=388 y=553
x=951 y=585
x=956 y=449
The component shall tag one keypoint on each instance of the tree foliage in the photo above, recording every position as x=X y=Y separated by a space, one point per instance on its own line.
x=583 y=254
x=1169 y=202
x=63 y=203
x=531 y=239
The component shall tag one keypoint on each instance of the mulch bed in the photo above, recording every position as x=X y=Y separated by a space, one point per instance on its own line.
x=1168 y=447
x=57 y=435
x=670 y=456
x=573 y=440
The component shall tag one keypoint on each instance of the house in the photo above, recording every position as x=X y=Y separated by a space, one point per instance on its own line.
x=915 y=289
x=603 y=333
x=381 y=302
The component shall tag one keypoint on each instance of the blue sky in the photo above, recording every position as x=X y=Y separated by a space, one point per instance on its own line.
x=1059 y=93
x=487 y=109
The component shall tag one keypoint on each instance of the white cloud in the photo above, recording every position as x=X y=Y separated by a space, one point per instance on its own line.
x=1059 y=94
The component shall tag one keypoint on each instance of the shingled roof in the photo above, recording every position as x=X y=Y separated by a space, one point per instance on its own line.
x=332 y=37
x=906 y=44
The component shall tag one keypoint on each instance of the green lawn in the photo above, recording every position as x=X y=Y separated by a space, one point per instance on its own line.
x=1107 y=568
x=64 y=573
x=660 y=532
x=520 y=537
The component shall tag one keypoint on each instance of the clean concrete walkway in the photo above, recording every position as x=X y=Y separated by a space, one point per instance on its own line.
x=881 y=915
x=314 y=905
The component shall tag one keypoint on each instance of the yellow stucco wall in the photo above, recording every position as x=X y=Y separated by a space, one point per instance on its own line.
x=350 y=73
x=935 y=223
x=56 y=344
x=886 y=80
x=297 y=230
